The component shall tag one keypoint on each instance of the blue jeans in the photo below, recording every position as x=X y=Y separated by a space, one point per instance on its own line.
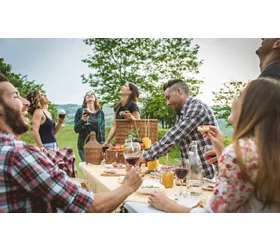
x=50 y=146
x=82 y=154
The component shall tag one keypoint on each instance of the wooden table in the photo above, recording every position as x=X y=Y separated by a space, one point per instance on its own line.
x=135 y=202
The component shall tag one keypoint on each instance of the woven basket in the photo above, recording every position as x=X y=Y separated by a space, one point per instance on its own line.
x=114 y=156
x=93 y=150
x=123 y=127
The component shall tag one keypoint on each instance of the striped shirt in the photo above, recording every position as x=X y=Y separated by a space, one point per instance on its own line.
x=193 y=114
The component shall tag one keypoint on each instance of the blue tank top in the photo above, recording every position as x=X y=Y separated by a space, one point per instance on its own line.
x=46 y=131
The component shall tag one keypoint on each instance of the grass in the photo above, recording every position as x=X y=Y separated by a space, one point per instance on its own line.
x=67 y=137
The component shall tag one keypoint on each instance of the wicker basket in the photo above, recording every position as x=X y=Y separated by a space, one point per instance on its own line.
x=114 y=156
x=123 y=127
x=93 y=150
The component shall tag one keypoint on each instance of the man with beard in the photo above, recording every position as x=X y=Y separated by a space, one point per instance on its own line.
x=192 y=113
x=269 y=54
x=31 y=182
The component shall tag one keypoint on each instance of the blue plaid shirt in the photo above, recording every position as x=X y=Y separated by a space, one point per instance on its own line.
x=193 y=114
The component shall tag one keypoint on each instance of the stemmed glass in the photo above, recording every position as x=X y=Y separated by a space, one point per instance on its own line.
x=86 y=111
x=181 y=169
x=215 y=168
x=61 y=113
x=132 y=153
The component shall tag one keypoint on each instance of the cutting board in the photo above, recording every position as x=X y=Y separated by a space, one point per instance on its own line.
x=116 y=174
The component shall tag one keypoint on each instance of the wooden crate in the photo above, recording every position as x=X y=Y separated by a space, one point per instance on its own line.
x=123 y=127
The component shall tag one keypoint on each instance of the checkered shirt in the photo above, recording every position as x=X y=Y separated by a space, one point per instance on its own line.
x=193 y=114
x=31 y=182
x=64 y=158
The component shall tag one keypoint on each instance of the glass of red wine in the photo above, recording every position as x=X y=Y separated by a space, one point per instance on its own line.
x=181 y=169
x=132 y=153
x=86 y=111
x=61 y=113
x=215 y=167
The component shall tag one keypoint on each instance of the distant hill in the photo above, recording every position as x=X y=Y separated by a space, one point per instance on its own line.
x=71 y=109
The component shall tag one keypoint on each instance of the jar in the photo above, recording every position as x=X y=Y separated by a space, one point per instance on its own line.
x=167 y=176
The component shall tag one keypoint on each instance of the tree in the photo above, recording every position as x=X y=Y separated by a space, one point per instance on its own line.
x=155 y=108
x=147 y=62
x=23 y=85
x=224 y=97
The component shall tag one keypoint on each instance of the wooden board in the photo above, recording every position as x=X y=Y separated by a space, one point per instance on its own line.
x=116 y=174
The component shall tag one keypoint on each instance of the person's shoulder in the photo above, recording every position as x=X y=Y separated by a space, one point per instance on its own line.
x=196 y=105
x=38 y=112
x=132 y=104
x=80 y=110
x=272 y=71
x=100 y=112
x=247 y=147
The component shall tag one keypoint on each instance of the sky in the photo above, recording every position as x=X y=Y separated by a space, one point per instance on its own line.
x=57 y=64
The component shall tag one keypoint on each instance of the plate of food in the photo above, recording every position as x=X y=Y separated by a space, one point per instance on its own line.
x=150 y=186
x=115 y=165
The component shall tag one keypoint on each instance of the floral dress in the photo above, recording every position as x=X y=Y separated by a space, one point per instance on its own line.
x=232 y=192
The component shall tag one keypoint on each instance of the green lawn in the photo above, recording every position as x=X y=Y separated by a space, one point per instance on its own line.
x=67 y=137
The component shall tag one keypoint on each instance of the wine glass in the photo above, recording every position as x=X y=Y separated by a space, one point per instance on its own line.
x=181 y=169
x=86 y=111
x=132 y=153
x=215 y=168
x=61 y=113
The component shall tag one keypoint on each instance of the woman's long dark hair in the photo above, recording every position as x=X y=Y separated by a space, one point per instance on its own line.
x=260 y=118
x=34 y=99
x=134 y=96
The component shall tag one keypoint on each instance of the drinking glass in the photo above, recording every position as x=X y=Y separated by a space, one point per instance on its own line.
x=132 y=153
x=86 y=111
x=215 y=168
x=181 y=169
x=61 y=113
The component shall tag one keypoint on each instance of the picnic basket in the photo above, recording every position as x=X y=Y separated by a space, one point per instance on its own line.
x=113 y=155
x=146 y=128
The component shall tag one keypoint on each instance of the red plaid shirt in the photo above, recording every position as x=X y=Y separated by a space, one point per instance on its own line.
x=31 y=182
x=64 y=158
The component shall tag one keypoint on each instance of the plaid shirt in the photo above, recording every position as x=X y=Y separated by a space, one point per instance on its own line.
x=64 y=158
x=31 y=182
x=193 y=114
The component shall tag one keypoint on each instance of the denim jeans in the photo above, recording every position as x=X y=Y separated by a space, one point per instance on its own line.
x=82 y=154
x=50 y=146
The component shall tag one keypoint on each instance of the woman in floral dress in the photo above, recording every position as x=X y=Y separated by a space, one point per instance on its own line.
x=249 y=177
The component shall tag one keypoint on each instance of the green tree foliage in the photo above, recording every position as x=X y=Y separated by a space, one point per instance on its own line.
x=23 y=85
x=147 y=62
x=224 y=97
x=155 y=108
